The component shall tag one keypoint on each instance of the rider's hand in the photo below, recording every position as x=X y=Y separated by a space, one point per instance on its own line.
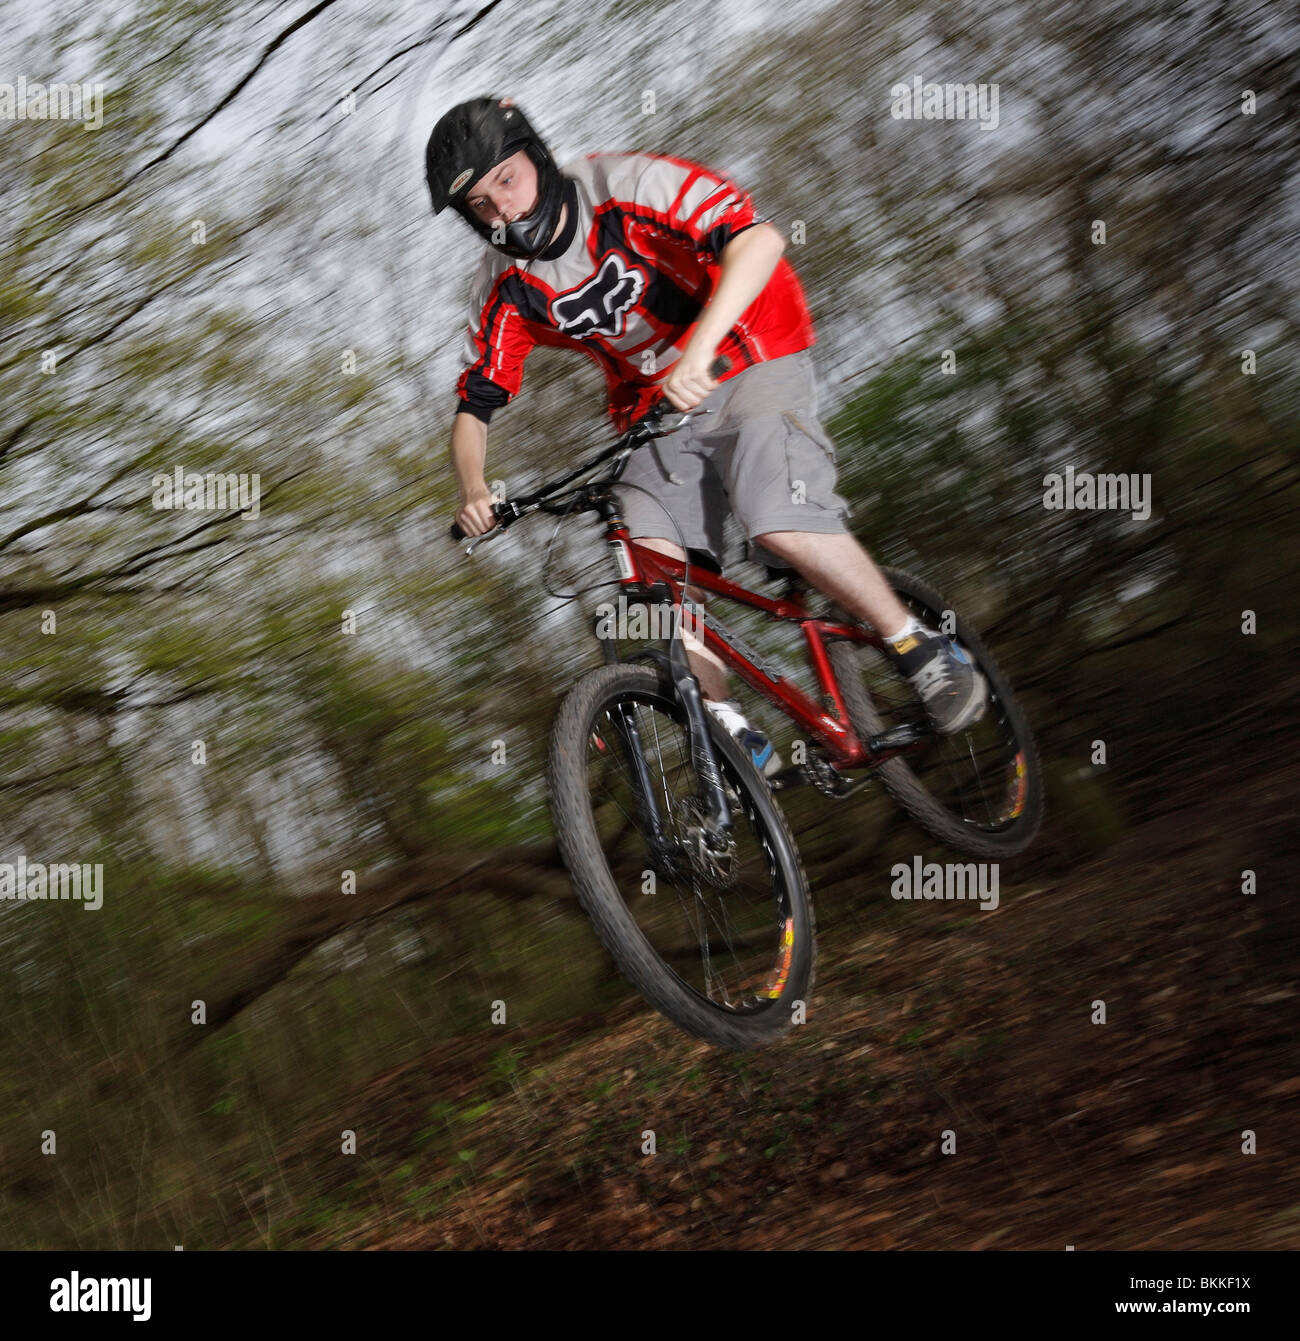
x=689 y=381
x=475 y=516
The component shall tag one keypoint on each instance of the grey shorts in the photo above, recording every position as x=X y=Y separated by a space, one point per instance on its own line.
x=761 y=454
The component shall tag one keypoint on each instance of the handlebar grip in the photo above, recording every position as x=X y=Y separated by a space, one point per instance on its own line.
x=501 y=511
x=663 y=406
x=719 y=366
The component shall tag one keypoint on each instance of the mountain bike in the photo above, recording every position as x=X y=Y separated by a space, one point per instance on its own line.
x=677 y=848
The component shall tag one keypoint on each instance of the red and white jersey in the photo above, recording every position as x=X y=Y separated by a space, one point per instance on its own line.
x=625 y=281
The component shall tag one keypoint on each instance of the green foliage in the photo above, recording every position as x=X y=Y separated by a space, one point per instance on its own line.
x=336 y=747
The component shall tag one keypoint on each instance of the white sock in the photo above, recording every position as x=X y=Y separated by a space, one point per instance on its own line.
x=913 y=625
x=728 y=713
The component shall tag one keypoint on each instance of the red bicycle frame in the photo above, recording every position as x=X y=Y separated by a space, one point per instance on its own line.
x=640 y=568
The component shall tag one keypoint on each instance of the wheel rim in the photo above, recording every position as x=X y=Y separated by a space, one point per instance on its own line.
x=723 y=928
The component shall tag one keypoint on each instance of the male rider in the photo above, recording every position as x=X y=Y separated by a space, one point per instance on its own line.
x=654 y=267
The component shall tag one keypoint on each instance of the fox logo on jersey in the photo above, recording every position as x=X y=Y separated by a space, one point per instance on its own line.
x=599 y=304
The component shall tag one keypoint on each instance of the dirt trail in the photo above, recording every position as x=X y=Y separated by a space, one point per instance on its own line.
x=926 y=1019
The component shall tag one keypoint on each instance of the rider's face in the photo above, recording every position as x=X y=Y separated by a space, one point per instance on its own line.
x=506 y=193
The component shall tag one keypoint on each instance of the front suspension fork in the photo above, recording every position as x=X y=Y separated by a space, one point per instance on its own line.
x=677 y=670
x=717 y=812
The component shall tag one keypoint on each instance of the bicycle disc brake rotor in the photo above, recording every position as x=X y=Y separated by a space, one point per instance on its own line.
x=720 y=869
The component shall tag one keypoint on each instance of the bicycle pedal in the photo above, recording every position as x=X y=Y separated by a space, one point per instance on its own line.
x=794 y=776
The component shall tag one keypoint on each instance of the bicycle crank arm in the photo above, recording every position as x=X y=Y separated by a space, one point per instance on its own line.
x=899 y=737
x=818 y=773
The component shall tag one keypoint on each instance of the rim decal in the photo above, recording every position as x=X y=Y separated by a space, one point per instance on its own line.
x=787 y=954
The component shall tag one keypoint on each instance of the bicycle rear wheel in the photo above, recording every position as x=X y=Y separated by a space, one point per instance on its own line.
x=980 y=790
x=721 y=944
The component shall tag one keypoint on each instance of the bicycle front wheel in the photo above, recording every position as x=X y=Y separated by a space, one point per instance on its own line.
x=720 y=942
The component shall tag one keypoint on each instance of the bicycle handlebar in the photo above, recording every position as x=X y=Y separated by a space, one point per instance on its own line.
x=507 y=512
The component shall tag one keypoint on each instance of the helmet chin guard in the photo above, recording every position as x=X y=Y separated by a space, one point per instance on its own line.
x=467 y=143
x=525 y=239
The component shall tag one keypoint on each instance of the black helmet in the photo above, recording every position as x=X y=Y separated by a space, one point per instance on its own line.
x=470 y=141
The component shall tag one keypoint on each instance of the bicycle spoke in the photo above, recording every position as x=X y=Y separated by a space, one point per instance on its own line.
x=981 y=785
x=729 y=905
x=979 y=781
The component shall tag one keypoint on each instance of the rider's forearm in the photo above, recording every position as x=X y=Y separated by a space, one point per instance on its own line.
x=469 y=454
x=747 y=264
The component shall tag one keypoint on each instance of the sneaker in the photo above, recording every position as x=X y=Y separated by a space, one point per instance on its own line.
x=761 y=751
x=955 y=694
